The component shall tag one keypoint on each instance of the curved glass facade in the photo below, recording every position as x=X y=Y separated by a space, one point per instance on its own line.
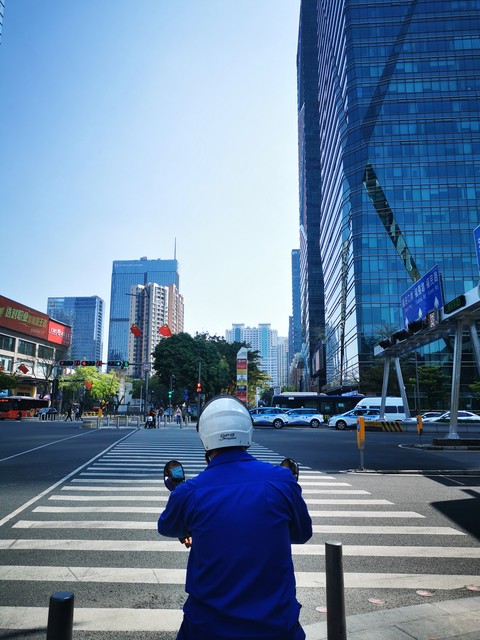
x=399 y=130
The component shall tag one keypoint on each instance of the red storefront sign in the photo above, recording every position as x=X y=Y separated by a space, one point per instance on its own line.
x=18 y=317
x=59 y=333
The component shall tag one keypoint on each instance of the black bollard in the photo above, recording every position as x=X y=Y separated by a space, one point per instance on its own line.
x=336 y=622
x=60 y=616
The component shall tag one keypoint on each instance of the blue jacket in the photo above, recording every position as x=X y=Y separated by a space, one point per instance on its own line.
x=243 y=515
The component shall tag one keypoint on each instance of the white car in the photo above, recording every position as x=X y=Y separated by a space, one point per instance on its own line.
x=349 y=419
x=304 y=417
x=267 y=416
x=462 y=415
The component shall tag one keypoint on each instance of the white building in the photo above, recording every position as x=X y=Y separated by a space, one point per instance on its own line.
x=151 y=307
x=271 y=348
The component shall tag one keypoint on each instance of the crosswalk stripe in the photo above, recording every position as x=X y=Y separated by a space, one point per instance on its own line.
x=163 y=498
x=309 y=549
x=95 y=619
x=156 y=510
x=157 y=575
x=140 y=525
x=388 y=530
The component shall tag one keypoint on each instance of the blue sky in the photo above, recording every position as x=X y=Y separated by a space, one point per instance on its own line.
x=125 y=126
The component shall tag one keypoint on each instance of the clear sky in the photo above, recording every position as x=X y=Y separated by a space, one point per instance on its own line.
x=125 y=126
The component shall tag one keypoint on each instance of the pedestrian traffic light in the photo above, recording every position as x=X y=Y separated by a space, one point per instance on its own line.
x=125 y=364
x=87 y=363
x=199 y=387
x=66 y=363
x=170 y=393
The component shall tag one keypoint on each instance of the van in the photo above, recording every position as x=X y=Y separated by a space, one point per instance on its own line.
x=394 y=409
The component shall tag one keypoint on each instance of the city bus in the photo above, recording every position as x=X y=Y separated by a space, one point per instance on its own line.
x=323 y=403
x=13 y=407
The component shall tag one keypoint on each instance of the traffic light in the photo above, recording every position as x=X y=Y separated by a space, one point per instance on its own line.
x=199 y=387
x=125 y=364
x=114 y=363
x=66 y=363
x=87 y=363
x=98 y=363
x=170 y=393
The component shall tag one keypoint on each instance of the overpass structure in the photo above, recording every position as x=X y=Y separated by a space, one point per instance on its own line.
x=454 y=320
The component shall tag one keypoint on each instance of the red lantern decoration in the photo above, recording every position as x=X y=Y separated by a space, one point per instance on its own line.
x=135 y=330
x=164 y=331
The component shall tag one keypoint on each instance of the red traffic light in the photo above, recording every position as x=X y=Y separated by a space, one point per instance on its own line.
x=199 y=387
x=88 y=363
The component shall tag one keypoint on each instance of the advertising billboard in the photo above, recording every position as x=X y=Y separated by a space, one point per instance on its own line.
x=18 y=317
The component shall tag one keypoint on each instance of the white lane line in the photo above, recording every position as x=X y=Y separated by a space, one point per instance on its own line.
x=128 y=575
x=118 y=481
x=49 y=444
x=163 y=498
x=387 y=529
x=365 y=514
x=351 y=492
x=148 y=525
x=54 y=486
x=115 y=489
x=163 y=545
x=123 y=620
x=156 y=510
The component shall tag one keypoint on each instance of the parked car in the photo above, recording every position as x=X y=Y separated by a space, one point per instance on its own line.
x=271 y=416
x=462 y=416
x=349 y=419
x=426 y=415
x=304 y=417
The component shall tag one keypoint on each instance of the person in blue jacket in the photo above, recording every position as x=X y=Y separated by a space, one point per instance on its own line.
x=239 y=518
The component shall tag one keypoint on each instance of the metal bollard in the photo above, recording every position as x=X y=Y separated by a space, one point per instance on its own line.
x=60 y=616
x=336 y=622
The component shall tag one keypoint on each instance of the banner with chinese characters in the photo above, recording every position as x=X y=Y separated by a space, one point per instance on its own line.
x=18 y=317
x=242 y=374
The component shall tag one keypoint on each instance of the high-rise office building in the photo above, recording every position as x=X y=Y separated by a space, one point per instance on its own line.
x=85 y=316
x=125 y=274
x=397 y=173
x=265 y=340
x=295 y=326
x=311 y=274
x=151 y=307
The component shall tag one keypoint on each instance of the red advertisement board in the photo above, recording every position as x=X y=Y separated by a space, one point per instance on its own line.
x=59 y=333
x=18 y=317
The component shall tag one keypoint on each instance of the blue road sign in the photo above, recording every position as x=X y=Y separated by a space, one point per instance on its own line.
x=424 y=296
x=476 y=235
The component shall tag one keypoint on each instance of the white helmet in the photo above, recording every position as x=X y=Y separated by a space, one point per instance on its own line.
x=225 y=422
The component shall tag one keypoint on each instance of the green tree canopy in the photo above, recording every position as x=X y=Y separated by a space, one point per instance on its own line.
x=101 y=387
x=181 y=355
x=8 y=380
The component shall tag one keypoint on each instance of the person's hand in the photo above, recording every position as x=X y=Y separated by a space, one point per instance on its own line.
x=186 y=541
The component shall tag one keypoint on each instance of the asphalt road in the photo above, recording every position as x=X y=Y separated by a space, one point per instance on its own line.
x=79 y=509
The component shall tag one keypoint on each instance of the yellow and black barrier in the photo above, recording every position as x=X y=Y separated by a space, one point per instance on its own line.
x=383 y=425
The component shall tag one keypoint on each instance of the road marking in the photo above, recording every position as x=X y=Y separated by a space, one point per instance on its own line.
x=129 y=575
x=54 y=486
x=142 y=525
x=85 y=619
x=156 y=510
x=164 y=498
x=49 y=444
x=309 y=549
x=390 y=530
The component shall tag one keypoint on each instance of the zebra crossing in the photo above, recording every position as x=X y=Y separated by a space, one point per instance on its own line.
x=98 y=529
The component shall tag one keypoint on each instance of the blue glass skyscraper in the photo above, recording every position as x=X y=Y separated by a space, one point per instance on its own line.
x=125 y=274
x=85 y=316
x=398 y=126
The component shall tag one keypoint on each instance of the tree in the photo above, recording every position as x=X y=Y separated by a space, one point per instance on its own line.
x=88 y=385
x=8 y=380
x=433 y=382
x=181 y=355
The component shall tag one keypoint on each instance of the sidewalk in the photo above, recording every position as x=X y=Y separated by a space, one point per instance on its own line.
x=448 y=620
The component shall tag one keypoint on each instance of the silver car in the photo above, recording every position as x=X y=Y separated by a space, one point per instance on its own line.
x=349 y=419
x=304 y=417
x=267 y=416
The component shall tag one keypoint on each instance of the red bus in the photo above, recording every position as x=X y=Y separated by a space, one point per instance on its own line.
x=11 y=407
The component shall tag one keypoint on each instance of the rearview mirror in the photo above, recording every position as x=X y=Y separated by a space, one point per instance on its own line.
x=292 y=465
x=173 y=474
